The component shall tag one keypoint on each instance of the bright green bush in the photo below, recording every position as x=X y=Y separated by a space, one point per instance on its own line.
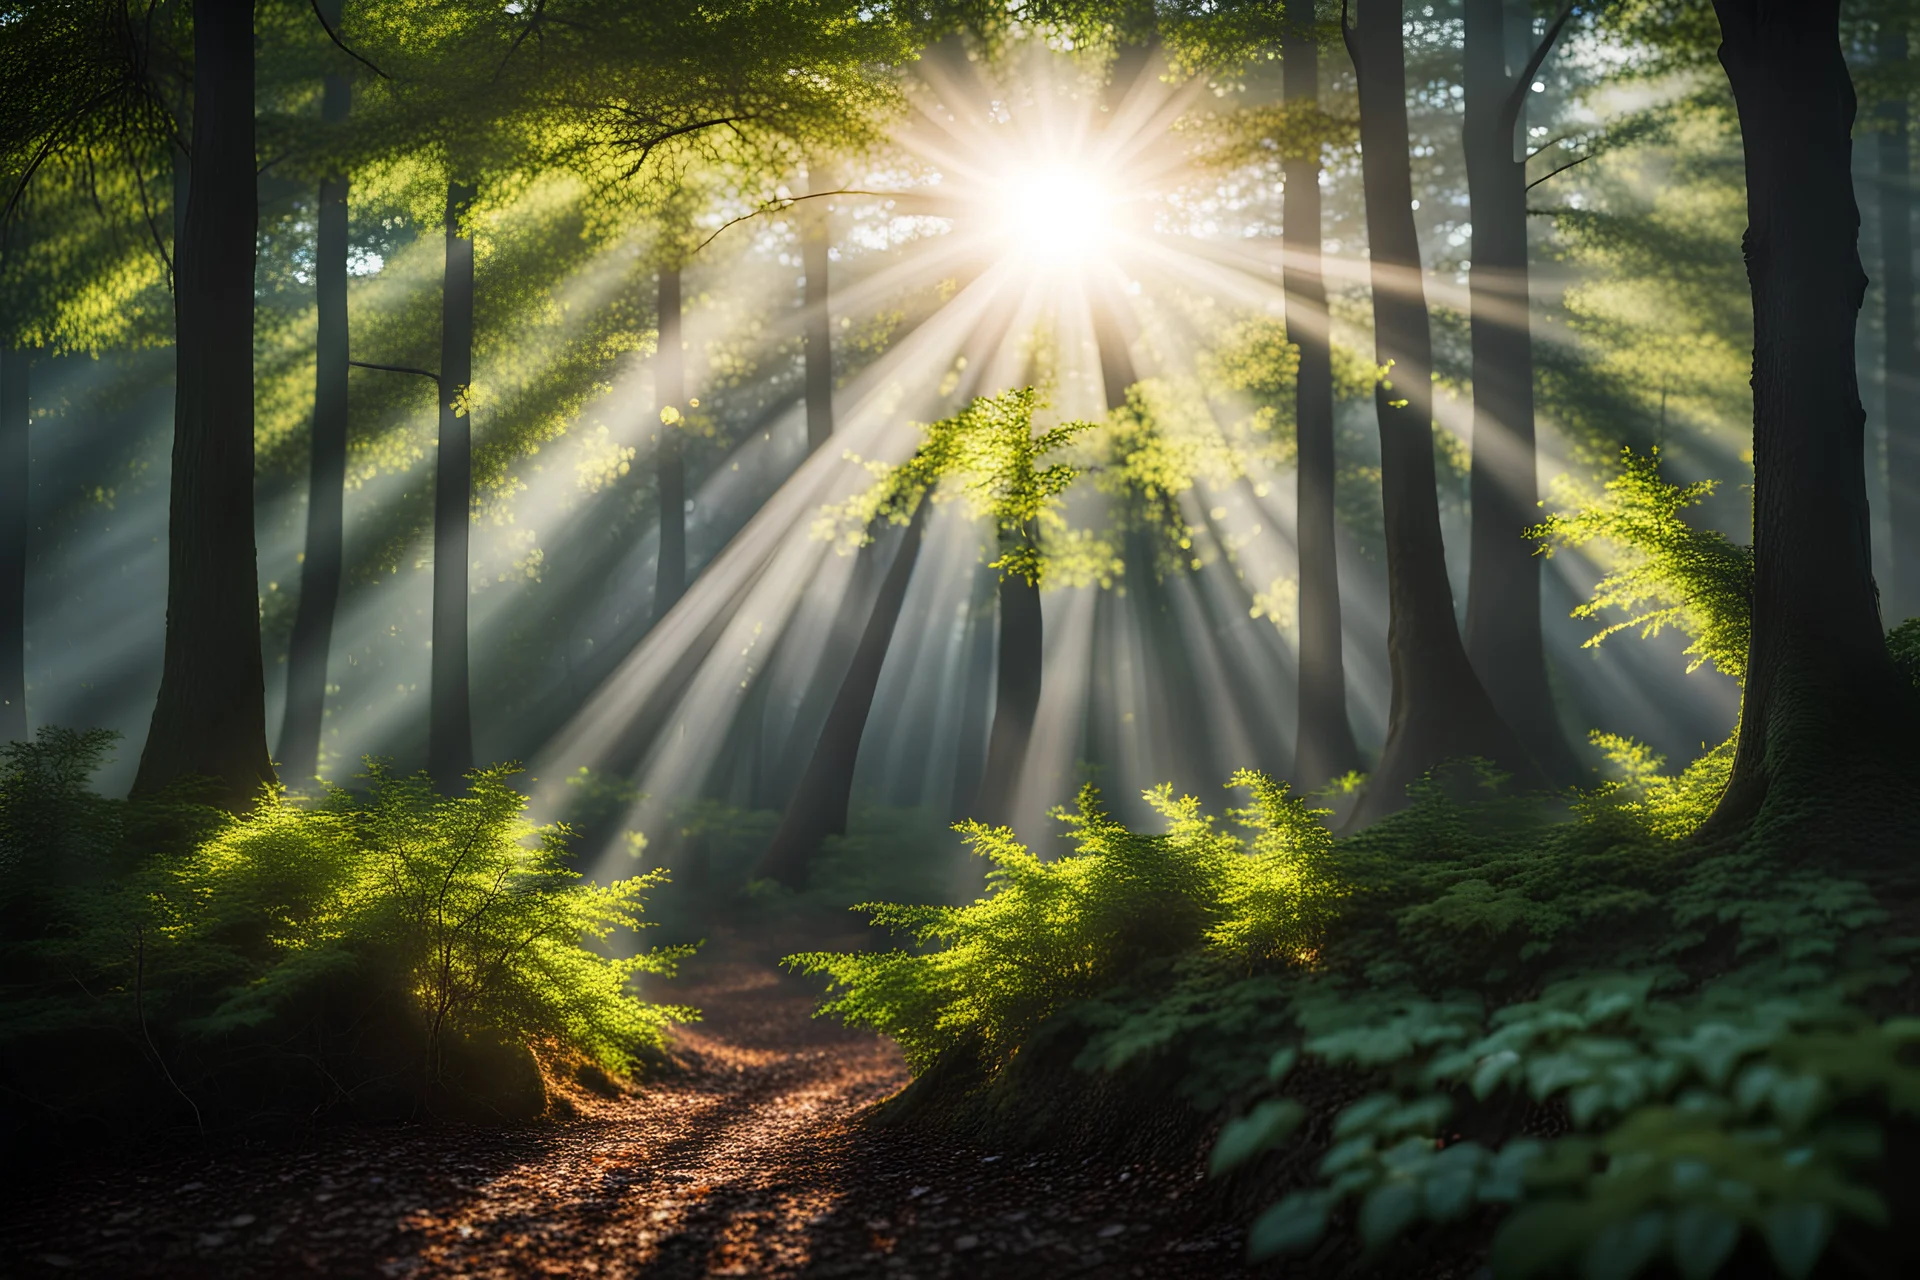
x=1046 y=933
x=300 y=949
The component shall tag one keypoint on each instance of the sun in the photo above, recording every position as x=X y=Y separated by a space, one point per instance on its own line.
x=1054 y=218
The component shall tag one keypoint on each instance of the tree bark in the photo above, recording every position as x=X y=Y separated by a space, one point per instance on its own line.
x=670 y=389
x=1902 y=358
x=15 y=532
x=320 y=570
x=1825 y=738
x=815 y=241
x=1439 y=711
x=209 y=721
x=1016 y=696
x=1503 y=596
x=819 y=805
x=1324 y=747
x=450 y=733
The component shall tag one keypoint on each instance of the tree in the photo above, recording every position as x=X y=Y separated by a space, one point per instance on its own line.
x=1439 y=709
x=816 y=240
x=1902 y=354
x=670 y=390
x=1825 y=719
x=1503 y=598
x=450 y=726
x=14 y=529
x=1325 y=747
x=209 y=721
x=320 y=569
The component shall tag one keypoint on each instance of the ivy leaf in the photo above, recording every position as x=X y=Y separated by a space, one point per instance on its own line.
x=1620 y=1249
x=1292 y=1226
x=1797 y=1233
x=1267 y=1124
x=1388 y=1211
x=1449 y=1193
x=1490 y=1073
x=1702 y=1239
x=1281 y=1063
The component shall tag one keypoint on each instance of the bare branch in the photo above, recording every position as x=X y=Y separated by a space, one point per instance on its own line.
x=342 y=44
x=1510 y=109
x=1562 y=169
x=395 y=368
x=787 y=202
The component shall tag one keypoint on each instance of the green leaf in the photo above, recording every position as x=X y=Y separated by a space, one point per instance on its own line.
x=1795 y=1099
x=1449 y=1193
x=1702 y=1239
x=1489 y=1075
x=1346 y=1154
x=1797 y=1233
x=1292 y=1226
x=1281 y=1063
x=1271 y=1122
x=1620 y=1249
x=1363 y=1114
x=1388 y=1211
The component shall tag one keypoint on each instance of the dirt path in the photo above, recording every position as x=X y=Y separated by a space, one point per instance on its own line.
x=746 y=1164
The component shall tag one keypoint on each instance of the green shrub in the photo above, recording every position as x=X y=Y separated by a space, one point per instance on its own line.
x=1046 y=933
x=386 y=940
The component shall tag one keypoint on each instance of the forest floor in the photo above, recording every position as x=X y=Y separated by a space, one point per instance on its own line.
x=747 y=1158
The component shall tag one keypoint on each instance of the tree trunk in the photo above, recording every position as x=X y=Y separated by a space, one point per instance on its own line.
x=1902 y=359
x=1324 y=747
x=1503 y=596
x=819 y=805
x=326 y=477
x=209 y=721
x=1016 y=697
x=15 y=532
x=1439 y=711
x=670 y=389
x=1825 y=739
x=815 y=240
x=450 y=733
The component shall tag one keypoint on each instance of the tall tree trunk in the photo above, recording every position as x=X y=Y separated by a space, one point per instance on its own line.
x=1902 y=358
x=1016 y=696
x=970 y=750
x=1324 y=747
x=450 y=733
x=1825 y=741
x=815 y=241
x=1439 y=710
x=819 y=805
x=1503 y=595
x=326 y=476
x=210 y=720
x=15 y=458
x=670 y=389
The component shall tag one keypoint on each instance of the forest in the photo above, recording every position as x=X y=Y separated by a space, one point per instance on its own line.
x=959 y=638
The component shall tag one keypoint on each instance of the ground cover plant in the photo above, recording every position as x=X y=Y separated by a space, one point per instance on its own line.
x=384 y=950
x=1630 y=1044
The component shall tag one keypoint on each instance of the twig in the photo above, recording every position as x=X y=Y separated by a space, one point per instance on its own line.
x=395 y=368
x=334 y=36
x=1562 y=169
x=784 y=203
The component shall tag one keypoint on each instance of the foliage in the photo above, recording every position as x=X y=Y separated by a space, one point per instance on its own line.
x=990 y=454
x=1046 y=933
x=1668 y=573
x=217 y=943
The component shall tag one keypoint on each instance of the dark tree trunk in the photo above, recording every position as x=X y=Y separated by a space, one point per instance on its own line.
x=1825 y=739
x=1503 y=596
x=970 y=751
x=1439 y=710
x=1324 y=747
x=1903 y=360
x=209 y=721
x=819 y=805
x=326 y=477
x=1016 y=697
x=450 y=734
x=670 y=389
x=815 y=239
x=15 y=458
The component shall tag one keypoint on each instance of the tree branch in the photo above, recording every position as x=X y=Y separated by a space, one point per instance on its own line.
x=342 y=44
x=395 y=368
x=1562 y=169
x=1510 y=109
x=787 y=202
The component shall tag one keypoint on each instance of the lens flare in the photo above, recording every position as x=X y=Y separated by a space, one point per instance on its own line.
x=1054 y=218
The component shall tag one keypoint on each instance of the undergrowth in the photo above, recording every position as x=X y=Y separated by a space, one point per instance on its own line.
x=383 y=949
x=1560 y=1013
